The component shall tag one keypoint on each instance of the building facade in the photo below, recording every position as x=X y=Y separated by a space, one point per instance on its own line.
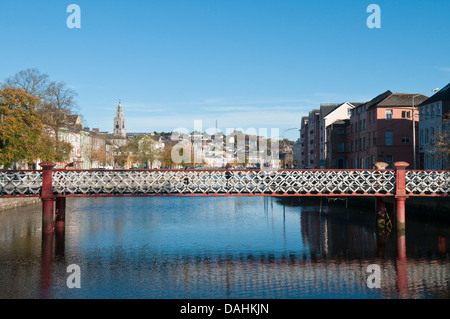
x=313 y=155
x=381 y=130
x=329 y=113
x=336 y=157
x=434 y=125
x=303 y=153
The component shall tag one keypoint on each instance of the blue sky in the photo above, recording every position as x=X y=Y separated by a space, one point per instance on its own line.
x=245 y=63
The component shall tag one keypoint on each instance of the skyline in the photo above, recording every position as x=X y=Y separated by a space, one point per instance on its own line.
x=246 y=64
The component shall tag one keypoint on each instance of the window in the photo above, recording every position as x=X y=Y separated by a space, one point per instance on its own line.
x=406 y=114
x=388 y=114
x=349 y=111
x=341 y=147
x=340 y=132
x=364 y=124
x=405 y=139
x=432 y=109
x=370 y=116
x=421 y=136
x=432 y=135
x=352 y=145
x=389 y=137
x=427 y=136
x=374 y=142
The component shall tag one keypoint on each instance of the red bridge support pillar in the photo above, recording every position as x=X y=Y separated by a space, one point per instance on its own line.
x=400 y=193
x=380 y=206
x=60 y=223
x=48 y=200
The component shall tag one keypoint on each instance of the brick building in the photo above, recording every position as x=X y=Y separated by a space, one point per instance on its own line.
x=381 y=130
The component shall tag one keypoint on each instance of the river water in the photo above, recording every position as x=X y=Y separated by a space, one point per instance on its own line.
x=220 y=247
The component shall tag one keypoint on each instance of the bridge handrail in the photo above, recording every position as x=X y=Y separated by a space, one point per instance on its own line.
x=205 y=181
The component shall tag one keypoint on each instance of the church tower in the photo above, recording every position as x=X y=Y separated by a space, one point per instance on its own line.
x=119 y=123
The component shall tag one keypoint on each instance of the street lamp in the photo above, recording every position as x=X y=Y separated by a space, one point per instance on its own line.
x=284 y=145
x=414 y=124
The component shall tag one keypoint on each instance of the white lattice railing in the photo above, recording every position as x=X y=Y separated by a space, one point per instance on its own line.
x=20 y=183
x=207 y=182
x=427 y=182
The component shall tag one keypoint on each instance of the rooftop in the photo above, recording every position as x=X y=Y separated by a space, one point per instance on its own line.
x=442 y=95
x=402 y=99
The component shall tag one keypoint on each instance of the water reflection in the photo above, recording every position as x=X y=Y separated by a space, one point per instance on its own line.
x=219 y=248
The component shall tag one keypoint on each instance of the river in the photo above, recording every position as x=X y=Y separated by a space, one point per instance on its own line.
x=220 y=247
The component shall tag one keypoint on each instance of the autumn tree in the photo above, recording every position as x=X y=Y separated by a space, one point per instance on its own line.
x=98 y=155
x=21 y=128
x=166 y=157
x=57 y=103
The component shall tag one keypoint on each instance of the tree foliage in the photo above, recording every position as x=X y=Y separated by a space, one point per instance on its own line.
x=148 y=151
x=54 y=106
x=21 y=128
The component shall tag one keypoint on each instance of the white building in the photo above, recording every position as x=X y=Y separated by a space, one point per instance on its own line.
x=329 y=113
x=433 y=120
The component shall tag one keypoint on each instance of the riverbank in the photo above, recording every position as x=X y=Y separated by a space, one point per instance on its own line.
x=419 y=208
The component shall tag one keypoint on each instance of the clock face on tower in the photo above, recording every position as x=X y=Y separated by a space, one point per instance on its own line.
x=117 y=125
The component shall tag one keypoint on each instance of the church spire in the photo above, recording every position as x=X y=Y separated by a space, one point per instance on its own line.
x=119 y=122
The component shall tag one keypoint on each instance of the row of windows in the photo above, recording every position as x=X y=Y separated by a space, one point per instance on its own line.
x=389 y=116
x=428 y=135
x=361 y=145
x=430 y=110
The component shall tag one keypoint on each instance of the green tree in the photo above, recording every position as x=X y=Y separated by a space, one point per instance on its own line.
x=148 y=150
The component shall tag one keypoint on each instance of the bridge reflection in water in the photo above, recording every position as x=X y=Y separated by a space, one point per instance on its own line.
x=311 y=250
x=54 y=186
